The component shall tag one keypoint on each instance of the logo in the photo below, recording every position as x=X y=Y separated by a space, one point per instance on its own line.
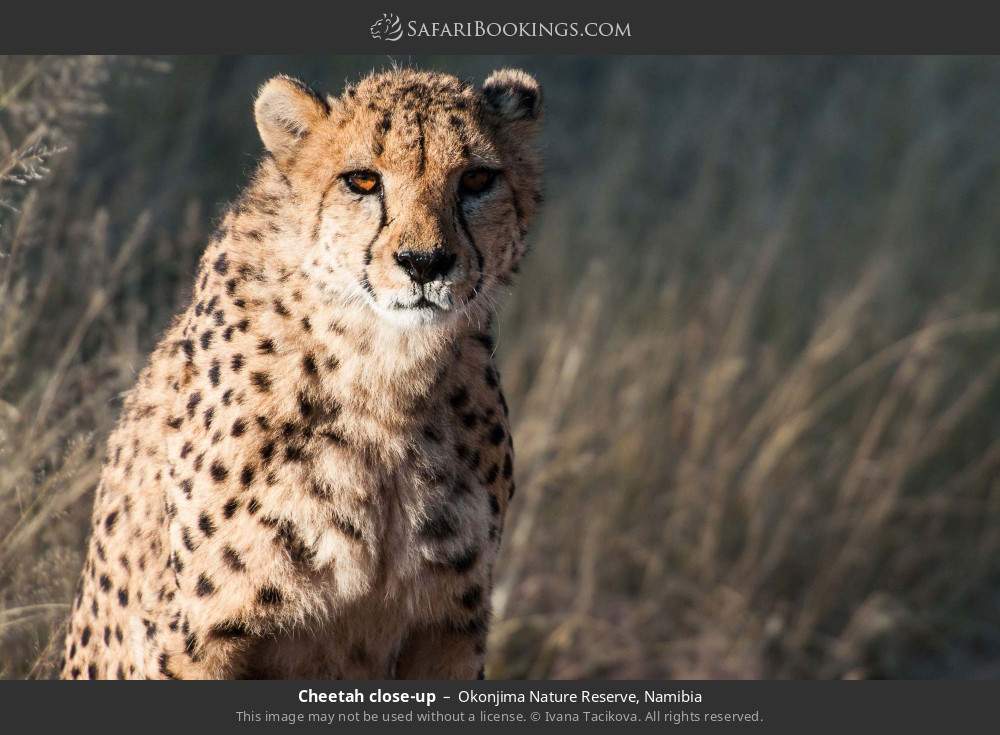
x=387 y=28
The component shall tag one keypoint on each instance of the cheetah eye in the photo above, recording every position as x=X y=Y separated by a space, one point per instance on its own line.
x=363 y=182
x=477 y=180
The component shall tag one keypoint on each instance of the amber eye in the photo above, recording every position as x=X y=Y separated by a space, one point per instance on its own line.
x=363 y=182
x=477 y=180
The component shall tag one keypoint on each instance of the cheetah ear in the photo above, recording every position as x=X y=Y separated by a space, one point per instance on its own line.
x=286 y=109
x=512 y=94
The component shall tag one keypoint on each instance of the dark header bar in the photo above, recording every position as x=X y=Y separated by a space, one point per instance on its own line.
x=720 y=706
x=513 y=26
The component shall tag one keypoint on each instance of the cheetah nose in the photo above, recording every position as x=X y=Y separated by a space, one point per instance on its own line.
x=423 y=266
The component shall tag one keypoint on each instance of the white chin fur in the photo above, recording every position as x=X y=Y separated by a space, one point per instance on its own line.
x=391 y=306
x=414 y=317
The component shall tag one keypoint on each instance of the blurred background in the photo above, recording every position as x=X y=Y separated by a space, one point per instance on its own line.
x=752 y=360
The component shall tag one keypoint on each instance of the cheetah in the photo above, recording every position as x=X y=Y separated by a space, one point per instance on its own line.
x=311 y=476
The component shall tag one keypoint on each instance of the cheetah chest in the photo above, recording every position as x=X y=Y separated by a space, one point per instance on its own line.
x=419 y=527
x=386 y=563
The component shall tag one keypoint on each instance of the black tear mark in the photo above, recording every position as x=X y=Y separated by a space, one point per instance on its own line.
x=383 y=221
x=480 y=262
x=421 y=145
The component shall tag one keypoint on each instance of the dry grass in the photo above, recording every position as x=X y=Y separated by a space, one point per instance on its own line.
x=752 y=362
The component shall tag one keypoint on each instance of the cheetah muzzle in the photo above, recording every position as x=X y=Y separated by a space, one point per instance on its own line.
x=311 y=476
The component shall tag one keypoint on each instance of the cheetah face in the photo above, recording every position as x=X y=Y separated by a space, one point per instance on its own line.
x=417 y=188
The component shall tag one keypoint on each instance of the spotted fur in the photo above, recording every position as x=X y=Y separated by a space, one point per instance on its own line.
x=311 y=477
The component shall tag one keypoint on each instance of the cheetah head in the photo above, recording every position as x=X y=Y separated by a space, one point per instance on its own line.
x=416 y=189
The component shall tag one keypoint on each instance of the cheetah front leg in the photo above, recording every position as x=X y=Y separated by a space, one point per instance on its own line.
x=199 y=644
x=444 y=651
x=451 y=648
x=232 y=592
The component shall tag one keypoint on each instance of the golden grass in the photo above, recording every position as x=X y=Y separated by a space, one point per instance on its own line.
x=752 y=362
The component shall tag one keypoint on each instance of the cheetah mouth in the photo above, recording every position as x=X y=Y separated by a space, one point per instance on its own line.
x=422 y=303
x=423 y=311
x=424 y=307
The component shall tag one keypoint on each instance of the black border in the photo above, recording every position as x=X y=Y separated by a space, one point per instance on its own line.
x=328 y=26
